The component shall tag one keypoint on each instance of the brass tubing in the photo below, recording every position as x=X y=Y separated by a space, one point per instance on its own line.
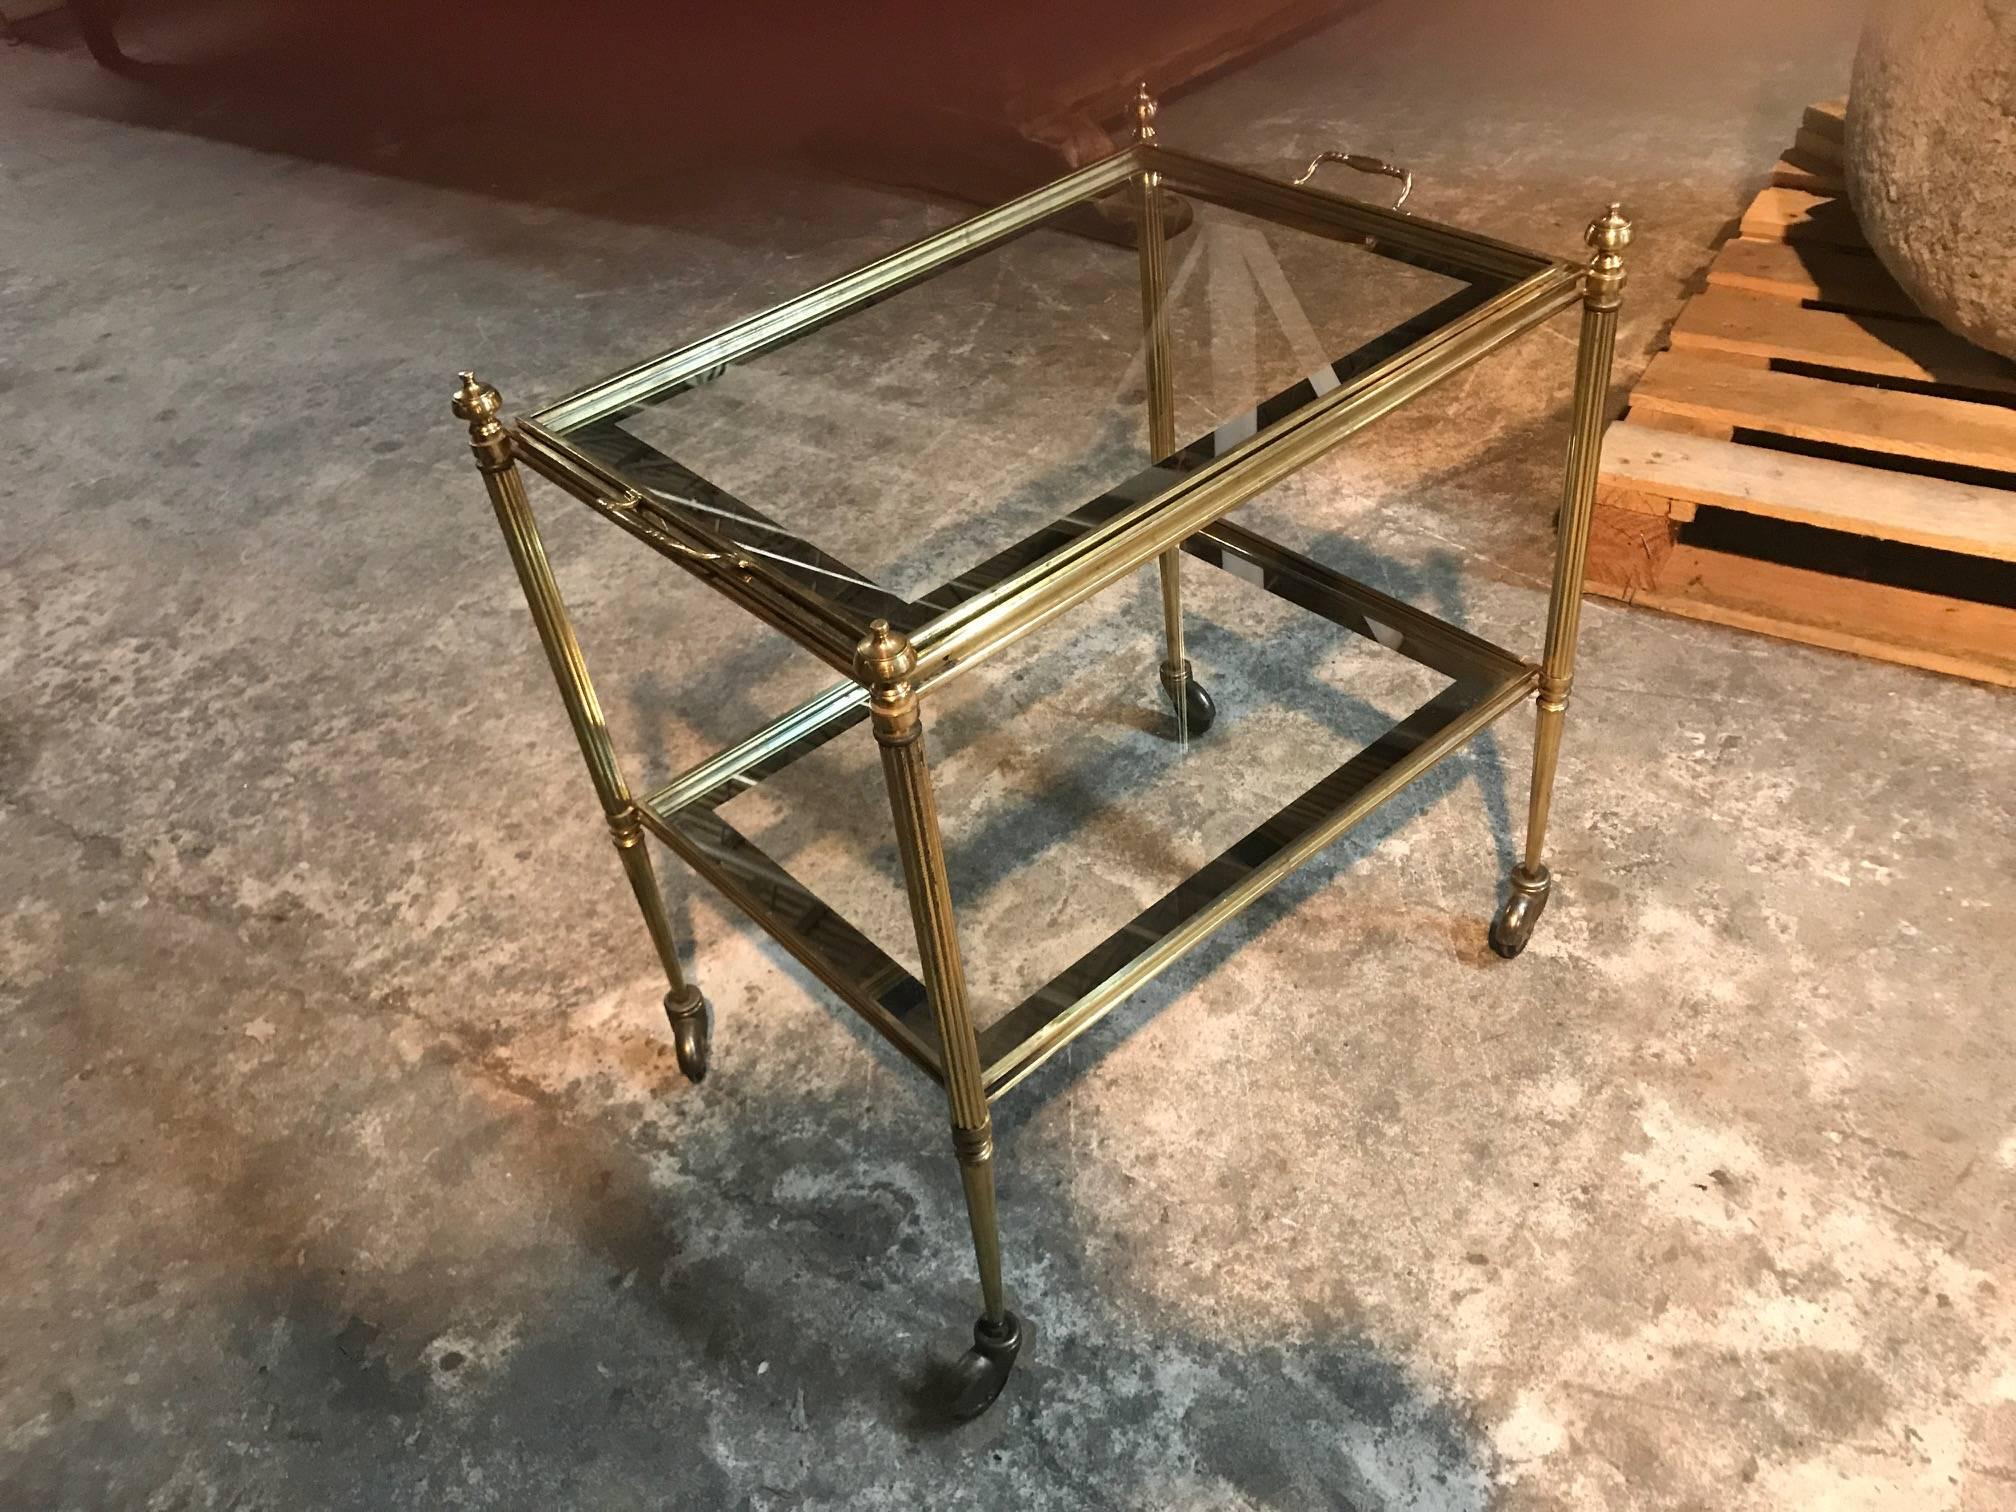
x=758 y=333
x=1237 y=189
x=629 y=836
x=1585 y=445
x=899 y=731
x=975 y=1149
x=1170 y=564
x=762 y=595
x=885 y=662
x=965 y=637
x=479 y=404
x=798 y=931
x=1603 y=288
x=1323 y=212
x=1153 y=238
x=834 y=706
x=812 y=621
x=1024 y=1058
x=1539 y=298
x=731 y=564
x=1154 y=247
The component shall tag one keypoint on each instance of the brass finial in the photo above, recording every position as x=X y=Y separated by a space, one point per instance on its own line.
x=1144 y=114
x=1609 y=233
x=479 y=404
x=886 y=657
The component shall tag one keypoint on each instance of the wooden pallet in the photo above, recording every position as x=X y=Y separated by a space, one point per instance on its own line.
x=1812 y=457
x=1813 y=162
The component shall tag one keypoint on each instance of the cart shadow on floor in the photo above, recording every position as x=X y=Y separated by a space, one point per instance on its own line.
x=819 y=1331
x=863 y=1222
x=1433 y=584
x=393 y=1275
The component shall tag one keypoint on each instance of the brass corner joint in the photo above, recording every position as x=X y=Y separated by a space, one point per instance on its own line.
x=1609 y=234
x=480 y=404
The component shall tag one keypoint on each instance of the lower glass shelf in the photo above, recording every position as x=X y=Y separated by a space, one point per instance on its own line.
x=1486 y=682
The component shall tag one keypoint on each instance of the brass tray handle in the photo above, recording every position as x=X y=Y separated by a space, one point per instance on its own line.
x=1363 y=164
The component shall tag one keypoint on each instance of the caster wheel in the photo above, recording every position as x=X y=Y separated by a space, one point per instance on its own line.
x=1199 y=708
x=983 y=1370
x=692 y=1032
x=1513 y=926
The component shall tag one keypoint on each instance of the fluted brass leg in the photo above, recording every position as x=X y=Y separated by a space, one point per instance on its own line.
x=686 y=1011
x=884 y=662
x=975 y=1150
x=1175 y=665
x=1193 y=707
x=479 y=404
x=1602 y=291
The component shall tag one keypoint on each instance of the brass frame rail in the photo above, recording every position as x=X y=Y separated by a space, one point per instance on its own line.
x=895 y=652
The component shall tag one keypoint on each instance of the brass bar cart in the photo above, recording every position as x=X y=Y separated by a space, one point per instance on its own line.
x=895 y=649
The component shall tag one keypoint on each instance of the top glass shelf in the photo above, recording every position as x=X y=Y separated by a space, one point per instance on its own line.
x=918 y=431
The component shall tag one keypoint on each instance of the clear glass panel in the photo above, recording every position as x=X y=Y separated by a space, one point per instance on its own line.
x=1060 y=827
x=914 y=438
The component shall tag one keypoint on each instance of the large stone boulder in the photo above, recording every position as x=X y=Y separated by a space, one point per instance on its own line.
x=1931 y=155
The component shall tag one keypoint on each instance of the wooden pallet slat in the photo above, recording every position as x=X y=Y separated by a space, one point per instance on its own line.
x=1655 y=471
x=1628 y=550
x=1761 y=328
x=1692 y=386
x=1779 y=214
x=1827 y=118
x=1812 y=274
x=1924 y=630
x=1790 y=173
x=1826 y=151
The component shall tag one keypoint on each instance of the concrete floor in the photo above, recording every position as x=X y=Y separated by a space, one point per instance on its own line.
x=344 y=1157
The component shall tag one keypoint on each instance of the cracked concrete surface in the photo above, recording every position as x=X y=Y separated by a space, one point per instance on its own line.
x=344 y=1157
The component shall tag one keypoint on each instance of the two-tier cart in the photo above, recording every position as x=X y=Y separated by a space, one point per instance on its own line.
x=895 y=648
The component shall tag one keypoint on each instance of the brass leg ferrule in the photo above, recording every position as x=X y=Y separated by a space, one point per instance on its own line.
x=973 y=1146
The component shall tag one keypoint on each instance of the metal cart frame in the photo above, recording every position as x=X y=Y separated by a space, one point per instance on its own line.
x=894 y=654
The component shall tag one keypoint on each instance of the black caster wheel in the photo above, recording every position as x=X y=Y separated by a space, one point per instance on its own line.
x=1513 y=926
x=692 y=1032
x=983 y=1370
x=1199 y=709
